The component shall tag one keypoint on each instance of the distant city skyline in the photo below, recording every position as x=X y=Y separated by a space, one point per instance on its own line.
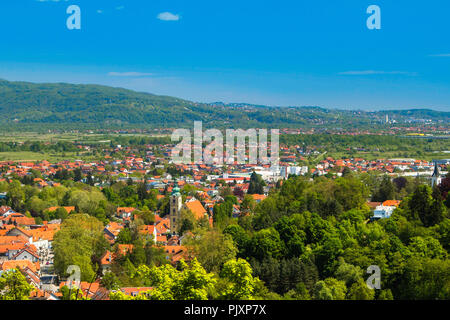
x=277 y=53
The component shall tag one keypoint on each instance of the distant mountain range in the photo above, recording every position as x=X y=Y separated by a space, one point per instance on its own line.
x=26 y=105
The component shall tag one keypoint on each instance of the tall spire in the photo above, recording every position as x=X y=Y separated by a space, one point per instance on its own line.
x=436 y=170
x=435 y=178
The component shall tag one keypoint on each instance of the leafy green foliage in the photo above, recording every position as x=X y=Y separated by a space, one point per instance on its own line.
x=79 y=242
x=300 y=246
x=241 y=286
x=213 y=249
x=256 y=184
x=69 y=106
x=14 y=286
x=191 y=282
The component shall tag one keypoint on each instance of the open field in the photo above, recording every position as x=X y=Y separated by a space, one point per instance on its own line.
x=50 y=137
x=14 y=140
x=71 y=137
x=38 y=156
x=418 y=149
x=388 y=155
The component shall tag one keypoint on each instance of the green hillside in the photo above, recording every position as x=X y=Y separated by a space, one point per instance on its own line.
x=25 y=106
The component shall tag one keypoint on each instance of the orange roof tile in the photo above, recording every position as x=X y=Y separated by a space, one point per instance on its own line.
x=196 y=208
x=393 y=203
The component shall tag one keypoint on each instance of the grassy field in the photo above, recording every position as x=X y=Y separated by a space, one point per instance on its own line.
x=101 y=139
x=389 y=155
x=50 y=137
x=38 y=156
x=85 y=138
x=53 y=137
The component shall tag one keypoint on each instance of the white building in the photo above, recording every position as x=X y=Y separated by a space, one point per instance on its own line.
x=294 y=170
x=382 y=212
x=436 y=177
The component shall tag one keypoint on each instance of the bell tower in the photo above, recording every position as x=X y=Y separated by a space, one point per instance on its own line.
x=175 y=209
x=436 y=177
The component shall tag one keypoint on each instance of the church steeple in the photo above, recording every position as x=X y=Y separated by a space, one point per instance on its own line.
x=436 y=176
x=175 y=208
x=436 y=170
x=176 y=190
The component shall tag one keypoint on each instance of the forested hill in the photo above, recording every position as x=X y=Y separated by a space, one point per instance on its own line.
x=46 y=106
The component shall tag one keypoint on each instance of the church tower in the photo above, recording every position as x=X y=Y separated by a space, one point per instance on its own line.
x=175 y=209
x=436 y=177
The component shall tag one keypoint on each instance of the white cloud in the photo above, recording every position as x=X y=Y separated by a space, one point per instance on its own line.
x=99 y=11
x=129 y=74
x=374 y=72
x=168 y=16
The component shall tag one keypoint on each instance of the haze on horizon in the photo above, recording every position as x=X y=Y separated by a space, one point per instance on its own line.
x=288 y=53
x=258 y=103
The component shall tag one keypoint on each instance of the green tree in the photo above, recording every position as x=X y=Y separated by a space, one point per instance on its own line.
x=213 y=249
x=427 y=247
x=222 y=213
x=124 y=236
x=299 y=293
x=386 y=295
x=86 y=201
x=290 y=232
x=79 y=242
x=14 y=286
x=267 y=212
x=427 y=279
x=330 y=289
x=248 y=204
x=77 y=175
x=385 y=190
x=241 y=285
x=240 y=238
x=256 y=185
x=426 y=205
x=186 y=225
x=327 y=253
x=348 y=273
x=360 y=291
x=110 y=281
x=190 y=282
x=36 y=205
x=15 y=195
x=72 y=294
x=266 y=243
x=350 y=193
x=155 y=256
x=119 y=295
x=444 y=233
x=147 y=216
x=142 y=191
x=61 y=213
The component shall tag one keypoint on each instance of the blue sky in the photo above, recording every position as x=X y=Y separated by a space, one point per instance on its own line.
x=267 y=52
